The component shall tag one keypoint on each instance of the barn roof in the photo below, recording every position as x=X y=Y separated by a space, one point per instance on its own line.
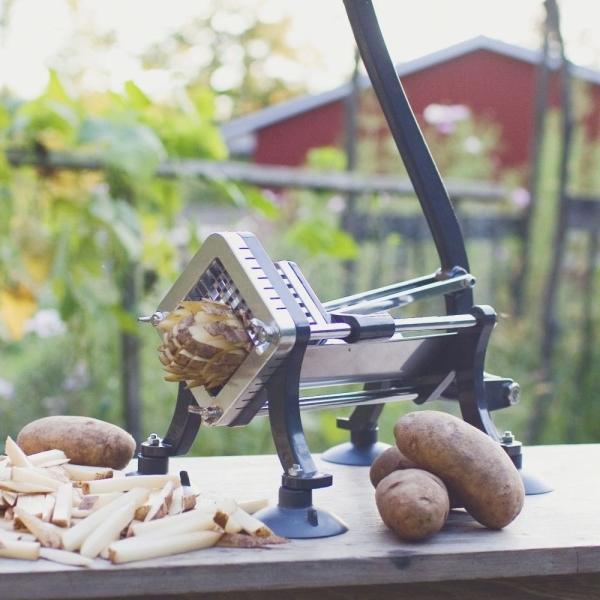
x=239 y=133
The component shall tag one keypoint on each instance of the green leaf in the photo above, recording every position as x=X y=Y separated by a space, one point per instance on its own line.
x=326 y=157
x=137 y=99
x=318 y=237
x=259 y=201
x=121 y=219
x=55 y=89
x=5 y=118
x=127 y=323
x=43 y=115
x=132 y=148
x=203 y=99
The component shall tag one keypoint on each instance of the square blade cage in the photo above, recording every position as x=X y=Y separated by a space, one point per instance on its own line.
x=233 y=268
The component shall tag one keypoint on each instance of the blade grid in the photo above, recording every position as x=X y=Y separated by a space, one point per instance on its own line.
x=216 y=284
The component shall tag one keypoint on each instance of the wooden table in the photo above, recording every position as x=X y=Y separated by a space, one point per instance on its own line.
x=552 y=550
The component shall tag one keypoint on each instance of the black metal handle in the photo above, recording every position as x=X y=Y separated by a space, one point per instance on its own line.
x=421 y=168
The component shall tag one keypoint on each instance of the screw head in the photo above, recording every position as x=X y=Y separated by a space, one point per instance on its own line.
x=295 y=470
x=513 y=392
x=154 y=318
x=508 y=437
x=211 y=414
x=153 y=439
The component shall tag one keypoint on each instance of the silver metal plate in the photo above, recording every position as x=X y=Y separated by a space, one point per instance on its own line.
x=234 y=268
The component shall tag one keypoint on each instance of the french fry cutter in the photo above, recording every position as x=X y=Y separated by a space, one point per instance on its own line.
x=299 y=344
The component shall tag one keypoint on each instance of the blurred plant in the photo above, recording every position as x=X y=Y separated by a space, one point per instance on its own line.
x=238 y=49
x=95 y=244
x=312 y=219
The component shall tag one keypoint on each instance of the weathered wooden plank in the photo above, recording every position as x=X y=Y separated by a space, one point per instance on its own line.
x=556 y=536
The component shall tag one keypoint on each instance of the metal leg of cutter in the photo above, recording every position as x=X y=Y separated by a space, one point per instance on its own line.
x=295 y=516
x=363 y=447
x=153 y=457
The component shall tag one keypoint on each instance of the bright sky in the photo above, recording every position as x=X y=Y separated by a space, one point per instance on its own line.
x=412 y=28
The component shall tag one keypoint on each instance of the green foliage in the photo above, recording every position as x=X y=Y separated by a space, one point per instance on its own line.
x=313 y=220
x=79 y=241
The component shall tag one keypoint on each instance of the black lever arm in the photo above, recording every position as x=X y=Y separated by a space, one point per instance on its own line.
x=421 y=168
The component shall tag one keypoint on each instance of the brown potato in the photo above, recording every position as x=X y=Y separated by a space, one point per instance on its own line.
x=391 y=460
x=387 y=462
x=413 y=503
x=469 y=462
x=84 y=440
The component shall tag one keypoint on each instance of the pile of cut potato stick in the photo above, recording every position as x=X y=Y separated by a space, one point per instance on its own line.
x=73 y=514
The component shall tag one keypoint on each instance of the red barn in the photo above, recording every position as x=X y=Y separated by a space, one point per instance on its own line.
x=496 y=81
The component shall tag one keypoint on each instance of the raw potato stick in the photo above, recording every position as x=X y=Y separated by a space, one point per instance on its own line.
x=17 y=457
x=36 y=476
x=252 y=506
x=57 y=473
x=86 y=473
x=49 y=502
x=95 y=501
x=242 y=540
x=108 y=532
x=14 y=535
x=160 y=506
x=10 y=498
x=124 y=484
x=32 y=503
x=63 y=507
x=189 y=520
x=23 y=487
x=189 y=502
x=18 y=549
x=176 y=502
x=203 y=522
x=66 y=558
x=48 y=458
x=73 y=538
x=232 y=526
x=47 y=534
x=126 y=551
x=250 y=524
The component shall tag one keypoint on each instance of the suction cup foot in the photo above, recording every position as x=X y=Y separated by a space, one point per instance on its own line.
x=350 y=453
x=295 y=517
x=534 y=484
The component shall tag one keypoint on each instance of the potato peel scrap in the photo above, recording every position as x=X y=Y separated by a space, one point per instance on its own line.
x=203 y=343
x=241 y=540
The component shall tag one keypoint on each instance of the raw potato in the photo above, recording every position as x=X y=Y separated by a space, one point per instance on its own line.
x=469 y=462
x=204 y=342
x=84 y=440
x=387 y=462
x=413 y=503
